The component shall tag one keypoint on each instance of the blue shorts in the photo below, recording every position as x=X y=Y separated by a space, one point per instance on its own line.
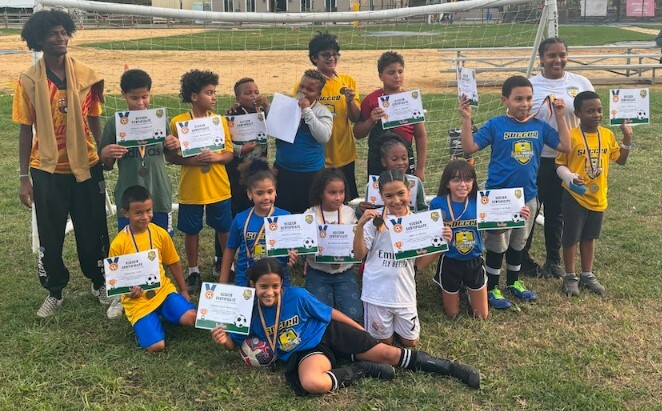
x=219 y=217
x=163 y=220
x=149 y=329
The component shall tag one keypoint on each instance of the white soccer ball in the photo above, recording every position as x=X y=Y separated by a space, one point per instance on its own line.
x=416 y=114
x=641 y=115
x=158 y=134
x=261 y=136
x=517 y=217
x=152 y=279
x=308 y=243
x=217 y=141
x=437 y=241
x=240 y=321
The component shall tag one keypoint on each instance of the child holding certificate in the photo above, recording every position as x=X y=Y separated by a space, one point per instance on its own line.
x=391 y=68
x=333 y=284
x=516 y=139
x=204 y=186
x=311 y=337
x=144 y=308
x=389 y=286
x=247 y=230
x=584 y=172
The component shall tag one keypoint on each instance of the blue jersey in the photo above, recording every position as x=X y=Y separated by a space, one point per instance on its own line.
x=303 y=321
x=467 y=242
x=237 y=241
x=304 y=155
x=516 y=149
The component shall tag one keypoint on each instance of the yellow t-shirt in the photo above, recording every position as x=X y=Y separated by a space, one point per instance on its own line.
x=341 y=148
x=196 y=187
x=137 y=308
x=577 y=161
x=23 y=113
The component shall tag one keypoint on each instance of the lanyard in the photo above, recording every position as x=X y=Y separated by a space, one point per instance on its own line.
x=450 y=207
x=135 y=244
x=547 y=101
x=595 y=170
x=141 y=151
x=249 y=252
x=324 y=219
x=272 y=342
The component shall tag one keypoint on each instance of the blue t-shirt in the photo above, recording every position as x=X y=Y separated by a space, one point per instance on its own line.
x=516 y=149
x=467 y=242
x=303 y=321
x=304 y=155
x=236 y=241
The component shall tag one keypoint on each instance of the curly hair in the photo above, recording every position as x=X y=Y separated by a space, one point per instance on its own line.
x=253 y=171
x=320 y=42
x=316 y=75
x=388 y=140
x=135 y=79
x=194 y=81
x=387 y=58
x=321 y=180
x=457 y=168
x=41 y=23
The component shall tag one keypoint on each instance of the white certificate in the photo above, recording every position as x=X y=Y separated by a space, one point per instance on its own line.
x=335 y=243
x=629 y=104
x=499 y=209
x=246 y=128
x=229 y=305
x=141 y=127
x=127 y=271
x=417 y=234
x=290 y=232
x=466 y=85
x=375 y=198
x=402 y=109
x=284 y=118
x=200 y=134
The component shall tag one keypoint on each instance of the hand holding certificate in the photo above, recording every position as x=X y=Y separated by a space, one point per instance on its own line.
x=132 y=270
x=201 y=134
x=247 y=128
x=284 y=118
x=466 y=85
x=140 y=127
x=415 y=235
x=335 y=243
x=500 y=209
x=401 y=109
x=629 y=104
x=227 y=305
x=290 y=232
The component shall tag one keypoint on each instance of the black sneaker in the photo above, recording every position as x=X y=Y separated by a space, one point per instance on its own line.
x=465 y=373
x=374 y=370
x=193 y=282
x=530 y=268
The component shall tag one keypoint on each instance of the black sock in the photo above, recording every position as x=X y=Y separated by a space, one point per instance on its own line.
x=514 y=263
x=341 y=377
x=56 y=294
x=493 y=262
x=407 y=359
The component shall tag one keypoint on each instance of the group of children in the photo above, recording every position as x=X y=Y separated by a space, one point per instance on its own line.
x=386 y=303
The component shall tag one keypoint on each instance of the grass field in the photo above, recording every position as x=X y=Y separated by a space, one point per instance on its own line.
x=586 y=353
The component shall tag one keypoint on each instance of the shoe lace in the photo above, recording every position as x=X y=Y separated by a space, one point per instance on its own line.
x=519 y=286
x=496 y=293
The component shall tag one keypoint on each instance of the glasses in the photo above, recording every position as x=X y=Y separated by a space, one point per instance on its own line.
x=458 y=180
x=327 y=55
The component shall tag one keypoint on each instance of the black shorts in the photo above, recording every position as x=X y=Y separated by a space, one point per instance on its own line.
x=339 y=341
x=579 y=223
x=451 y=274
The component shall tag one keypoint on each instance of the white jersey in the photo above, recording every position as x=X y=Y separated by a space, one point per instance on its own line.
x=566 y=88
x=386 y=282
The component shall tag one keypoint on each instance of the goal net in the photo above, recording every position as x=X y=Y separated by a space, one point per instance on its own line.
x=246 y=38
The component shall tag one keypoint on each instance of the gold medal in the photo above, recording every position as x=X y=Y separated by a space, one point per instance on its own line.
x=142 y=171
x=150 y=294
x=594 y=188
x=205 y=169
x=378 y=221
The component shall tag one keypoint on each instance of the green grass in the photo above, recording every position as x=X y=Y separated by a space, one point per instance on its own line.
x=585 y=353
x=429 y=36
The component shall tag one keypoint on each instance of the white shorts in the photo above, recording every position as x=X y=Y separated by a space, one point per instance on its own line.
x=382 y=322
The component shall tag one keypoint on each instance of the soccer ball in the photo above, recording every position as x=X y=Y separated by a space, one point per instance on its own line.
x=256 y=352
x=261 y=136
x=437 y=241
x=517 y=217
x=641 y=115
x=416 y=114
x=217 y=141
x=152 y=279
x=308 y=242
x=158 y=134
x=240 y=321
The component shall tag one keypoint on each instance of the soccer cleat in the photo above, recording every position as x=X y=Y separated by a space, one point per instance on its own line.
x=193 y=282
x=373 y=370
x=589 y=281
x=571 y=285
x=519 y=290
x=496 y=300
x=465 y=373
x=101 y=295
x=116 y=309
x=552 y=270
x=49 y=307
x=216 y=271
x=530 y=268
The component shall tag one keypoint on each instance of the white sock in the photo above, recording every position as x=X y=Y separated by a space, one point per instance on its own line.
x=193 y=270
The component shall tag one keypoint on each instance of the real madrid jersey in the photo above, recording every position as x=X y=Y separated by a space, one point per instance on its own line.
x=467 y=243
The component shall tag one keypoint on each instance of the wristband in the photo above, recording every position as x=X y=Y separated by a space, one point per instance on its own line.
x=23 y=175
x=623 y=146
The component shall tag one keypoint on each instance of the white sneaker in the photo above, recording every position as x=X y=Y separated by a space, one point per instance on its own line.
x=116 y=309
x=49 y=307
x=101 y=295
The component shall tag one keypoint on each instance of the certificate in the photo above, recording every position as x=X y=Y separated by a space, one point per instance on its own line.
x=140 y=127
x=127 y=271
x=229 y=305
x=417 y=234
x=246 y=128
x=402 y=109
x=335 y=243
x=375 y=198
x=629 y=104
x=284 y=118
x=200 y=134
x=466 y=85
x=500 y=209
x=290 y=232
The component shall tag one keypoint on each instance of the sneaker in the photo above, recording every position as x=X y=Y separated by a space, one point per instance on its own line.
x=571 y=285
x=496 y=300
x=116 y=309
x=49 y=307
x=193 y=282
x=552 y=270
x=216 y=271
x=530 y=268
x=519 y=290
x=467 y=374
x=101 y=295
x=374 y=370
x=589 y=281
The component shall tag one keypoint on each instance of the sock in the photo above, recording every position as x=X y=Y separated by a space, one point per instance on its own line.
x=513 y=265
x=493 y=267
x=192 y=270
x=407 y=359
x=512 y=275
x=571 y=274
x=340 y=377
x=585 y=273
x=56 y=294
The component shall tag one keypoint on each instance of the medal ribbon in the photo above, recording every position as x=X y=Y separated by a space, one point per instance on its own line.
x=142 y=150
x=324 y=219
x=384 y=212
x=594 y=170
x=272 y=343
x=249 y=252
x=546 y=102
x=450 y=207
